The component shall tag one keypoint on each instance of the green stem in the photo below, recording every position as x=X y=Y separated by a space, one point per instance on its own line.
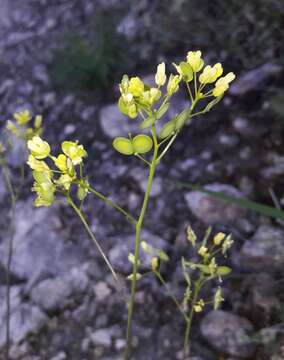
x=112 y=204
x=159 y=276
x=10 y=256
x=82 y=218
x=186 y=345
x=137 y=246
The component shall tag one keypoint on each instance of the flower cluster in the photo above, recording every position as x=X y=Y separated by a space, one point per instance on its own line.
x=208 y=267
x=46 y=183
x=152 y=102
x=18 y=127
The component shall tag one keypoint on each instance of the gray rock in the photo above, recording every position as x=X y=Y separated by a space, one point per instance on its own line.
x=57 y=293
x=102 y=337
x=114 y=123
x=228 y=333
x=39 y=249
x=3 y=190
x=17 y=156
x=24 y=320
x=102 y=291
x=118 y=254
x=265 y=250
x=15 y=299
x=254 y=79
x=211 y=210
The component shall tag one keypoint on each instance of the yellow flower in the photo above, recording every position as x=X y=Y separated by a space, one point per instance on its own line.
x=39 y=148
x=44 y=188
x=12 y=127
x=198 y=307
x=22 y=117
x=74 y=151
x=211 y=73
x=218 y=238
x=61 y=162
x=155 y=263
x=194 y=60
x=160 y=77
x=136 y=86
x=65 y=181
x=37 y=165
x=223 y=84
x=173 y=84
x=203 y=251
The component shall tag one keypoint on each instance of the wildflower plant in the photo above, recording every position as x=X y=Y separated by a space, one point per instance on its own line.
x=147 y=105
x=23 y=127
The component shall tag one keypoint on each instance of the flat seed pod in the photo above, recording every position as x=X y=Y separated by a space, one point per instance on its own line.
x=142 y=144
x=147 y=123
x=167 y=129
x=181 y=119
x=162 y=110
x=123 y=146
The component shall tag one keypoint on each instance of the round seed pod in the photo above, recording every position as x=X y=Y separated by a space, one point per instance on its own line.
x=123 y=146
x=142 y=144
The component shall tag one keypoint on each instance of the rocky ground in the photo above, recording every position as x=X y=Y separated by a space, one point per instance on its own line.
x=64 y=302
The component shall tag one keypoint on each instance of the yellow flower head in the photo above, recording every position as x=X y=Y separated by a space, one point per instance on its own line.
x=155 y=263
x=223 y=84
x=136 y=86
x=194 y=60
x=22 y=117
x=218 y=238
x=160 y=77
x=74 y=151
x=203 y=251
x=13 y=128
x=38 y=148
x=211 y=73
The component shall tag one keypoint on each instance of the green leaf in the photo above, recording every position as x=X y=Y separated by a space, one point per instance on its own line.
x=163 y=109
x=167 y=129
x=241 y=202
x=147 y=123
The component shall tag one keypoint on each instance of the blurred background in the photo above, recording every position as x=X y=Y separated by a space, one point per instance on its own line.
x=64 y=60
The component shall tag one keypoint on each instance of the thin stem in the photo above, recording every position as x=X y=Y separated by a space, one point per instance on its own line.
x=186 y=345
x=163 y=153
x=144 y=160
x=189 y=91
x=159 y=276
x=10 y=257
x=112 y=204
x=84 y=221
x=195 y=84
x=137 y=245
